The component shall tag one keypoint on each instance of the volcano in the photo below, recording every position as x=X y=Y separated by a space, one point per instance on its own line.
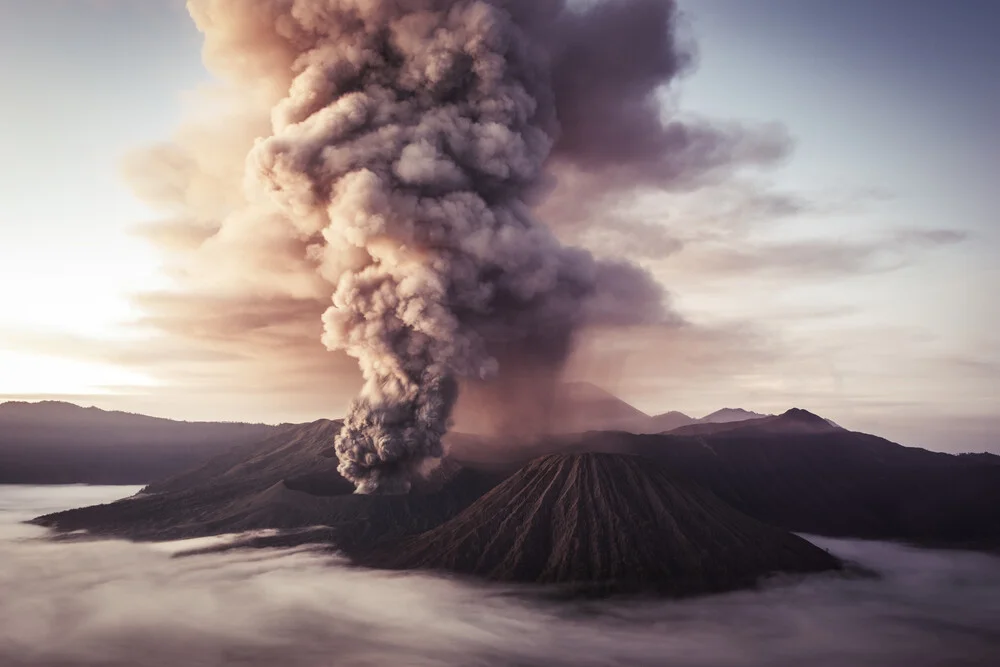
x=604 y=523
x=288 y=482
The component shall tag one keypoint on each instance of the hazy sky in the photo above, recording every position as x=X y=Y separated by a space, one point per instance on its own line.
x=857 y=280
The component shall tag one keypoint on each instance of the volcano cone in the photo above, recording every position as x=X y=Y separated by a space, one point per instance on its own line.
x=604 y=523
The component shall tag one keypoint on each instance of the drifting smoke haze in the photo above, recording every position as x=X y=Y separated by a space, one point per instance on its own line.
x=109 y=603
x=373 y=175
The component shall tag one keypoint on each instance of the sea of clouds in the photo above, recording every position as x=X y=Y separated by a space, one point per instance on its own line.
x=116 y=603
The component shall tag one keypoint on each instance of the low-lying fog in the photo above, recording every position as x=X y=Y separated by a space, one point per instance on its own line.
x=116 y=603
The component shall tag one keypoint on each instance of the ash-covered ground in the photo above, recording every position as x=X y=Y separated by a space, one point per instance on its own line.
x=77 y=603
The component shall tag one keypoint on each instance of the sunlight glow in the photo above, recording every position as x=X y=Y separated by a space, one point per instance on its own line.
x=27 y=374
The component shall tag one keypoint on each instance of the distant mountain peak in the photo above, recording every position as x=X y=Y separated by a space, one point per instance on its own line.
x=806 y=418
x=572 y=407
x=803 y=415
x=41 y=407
x=60 y=442
x=13 y=404
x=730 y=415
x=585 y=386
x=662 y=423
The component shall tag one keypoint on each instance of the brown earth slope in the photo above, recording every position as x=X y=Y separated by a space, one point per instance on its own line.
x=600 y=523
x=289 y=481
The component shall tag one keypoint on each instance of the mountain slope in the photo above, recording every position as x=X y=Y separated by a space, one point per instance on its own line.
x=605 y=523
x=668 y=421
x=583 y=406
x=800 y=473
x=795 y=420
x=288 y=481
x=289 y=452
x=726 y=415
x=574 y=407
x=793 y=470
x=60 y=443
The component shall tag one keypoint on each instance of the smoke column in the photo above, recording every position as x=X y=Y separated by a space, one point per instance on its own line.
x=407 y=138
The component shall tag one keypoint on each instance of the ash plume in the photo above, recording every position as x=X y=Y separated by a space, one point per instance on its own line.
x=369 y=174
x=406 y=137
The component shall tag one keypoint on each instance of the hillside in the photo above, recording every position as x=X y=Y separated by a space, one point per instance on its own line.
x=288 y=481
x=600 y=523
x=60 y=443
x=583 y=407
x=801 y=473
x=792 y=421
x=668 y=421
x=726 y=415
x=795 y=471
x=671 y=421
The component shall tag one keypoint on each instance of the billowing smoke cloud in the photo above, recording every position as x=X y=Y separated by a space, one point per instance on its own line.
x=405 y=139
x=379 y=168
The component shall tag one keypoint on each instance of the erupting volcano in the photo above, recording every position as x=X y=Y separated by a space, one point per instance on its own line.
x=410 y=141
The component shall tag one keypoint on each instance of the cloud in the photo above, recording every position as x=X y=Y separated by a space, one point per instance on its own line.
x=111 y=603
x=252 y=281
x=613 y=65
x=820 y=258
x=683 y=366
x=652 y=226
x=632 y=176
x=273 y=373
x=931 y=237
x=175 y=235
x=658 y=365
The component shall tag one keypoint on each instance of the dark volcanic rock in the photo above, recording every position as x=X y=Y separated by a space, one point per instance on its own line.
x=292 y=452
x=830 y=481
x=795 y=471
x=287 y=482
x=602 y=523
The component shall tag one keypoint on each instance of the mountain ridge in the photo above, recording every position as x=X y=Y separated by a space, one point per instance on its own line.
x=56 y=442
x=10 y=409
x=730 y=415
x=825 y=481
x=792 y=420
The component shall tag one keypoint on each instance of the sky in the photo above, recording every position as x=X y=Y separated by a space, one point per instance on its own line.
x=856 y=279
